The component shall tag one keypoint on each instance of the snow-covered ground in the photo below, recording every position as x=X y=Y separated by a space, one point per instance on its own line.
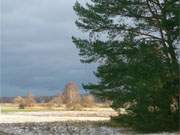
x=24 y=117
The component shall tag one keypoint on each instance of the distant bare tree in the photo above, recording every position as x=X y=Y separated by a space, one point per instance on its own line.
x=71 y=94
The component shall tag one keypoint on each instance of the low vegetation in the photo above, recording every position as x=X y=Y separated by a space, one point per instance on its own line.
x=69 y=99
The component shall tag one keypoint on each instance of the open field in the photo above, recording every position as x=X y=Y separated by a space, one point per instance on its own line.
x=8 y=107
x=40 y=120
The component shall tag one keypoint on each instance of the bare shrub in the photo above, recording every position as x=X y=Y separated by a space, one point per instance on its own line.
x=72 y=106
x=50 y=104
x=20 y=102
x=30 y=100
x=56 y=101
x=22 y=106
x=88 y=101
x=71 y=94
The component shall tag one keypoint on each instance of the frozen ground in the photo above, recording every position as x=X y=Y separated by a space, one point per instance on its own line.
x=65 y=128
x=60 y=128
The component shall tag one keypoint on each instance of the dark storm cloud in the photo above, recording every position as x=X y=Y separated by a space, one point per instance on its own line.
x=37 y=51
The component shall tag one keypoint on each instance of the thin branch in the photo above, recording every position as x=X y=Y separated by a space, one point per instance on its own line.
x=164 y=41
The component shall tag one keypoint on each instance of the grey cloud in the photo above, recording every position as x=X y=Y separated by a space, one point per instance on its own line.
x=37 y=51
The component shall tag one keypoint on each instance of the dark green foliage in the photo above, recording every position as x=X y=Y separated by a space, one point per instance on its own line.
x=135 y=43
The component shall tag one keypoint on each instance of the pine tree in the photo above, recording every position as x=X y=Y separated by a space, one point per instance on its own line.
x=135 y=43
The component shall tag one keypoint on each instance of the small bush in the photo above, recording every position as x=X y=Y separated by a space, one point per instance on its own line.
x=88 y=101
x=18 y=100
x=56 y=101
x=21 y=106
x=30 y=100
x=74 y=106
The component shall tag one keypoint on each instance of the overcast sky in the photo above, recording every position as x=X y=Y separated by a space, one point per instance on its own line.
x=37 y=53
